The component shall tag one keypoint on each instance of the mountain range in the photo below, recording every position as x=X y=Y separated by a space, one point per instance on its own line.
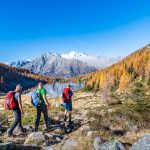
x=65 y=65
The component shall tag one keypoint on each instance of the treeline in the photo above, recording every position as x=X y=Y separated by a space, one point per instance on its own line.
x=11 y=76
x=119 y=77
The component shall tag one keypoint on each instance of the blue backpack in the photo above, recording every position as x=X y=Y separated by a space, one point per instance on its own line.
x=35 y=99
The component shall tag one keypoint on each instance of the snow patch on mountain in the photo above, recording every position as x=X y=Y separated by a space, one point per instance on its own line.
x=99 y=62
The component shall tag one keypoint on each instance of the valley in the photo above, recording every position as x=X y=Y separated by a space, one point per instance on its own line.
x=110 y=111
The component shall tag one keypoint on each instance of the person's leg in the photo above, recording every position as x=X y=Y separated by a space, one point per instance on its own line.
x=45 y=113
x=70 y=115
x=16 y=121
x=19 y=120
x=70 y=111
x=38 y=116
x=65 y=114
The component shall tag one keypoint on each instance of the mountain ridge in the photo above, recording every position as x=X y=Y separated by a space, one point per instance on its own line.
x=53 y=64
x=65 y=65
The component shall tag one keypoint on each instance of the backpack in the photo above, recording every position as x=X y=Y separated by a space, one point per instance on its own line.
x=67 y=94
x=35 y=99
x=10 y=101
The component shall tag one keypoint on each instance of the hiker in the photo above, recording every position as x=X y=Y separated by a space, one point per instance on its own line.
x=42 y=107
x=67 y=102
x=18 y=112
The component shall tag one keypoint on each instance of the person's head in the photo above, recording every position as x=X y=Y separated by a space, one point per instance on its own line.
x=69 y=86
x=18 y=88
x=40 y=85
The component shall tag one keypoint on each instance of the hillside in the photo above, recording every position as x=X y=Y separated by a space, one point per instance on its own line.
x=119 y=77
x=11 y=76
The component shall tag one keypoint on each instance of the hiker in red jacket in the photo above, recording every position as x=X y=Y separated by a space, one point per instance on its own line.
x=67 y=102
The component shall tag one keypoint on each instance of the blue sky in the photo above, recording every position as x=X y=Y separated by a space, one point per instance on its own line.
x=29 y=28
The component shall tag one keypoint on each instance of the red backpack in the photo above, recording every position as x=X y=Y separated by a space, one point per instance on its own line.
x=9 y=101
x=66 y=95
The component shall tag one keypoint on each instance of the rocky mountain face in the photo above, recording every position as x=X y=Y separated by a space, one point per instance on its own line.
x=99 y=62
x=52 y=64
x=19 y=63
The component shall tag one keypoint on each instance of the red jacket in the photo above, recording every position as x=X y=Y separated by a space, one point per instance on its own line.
x=67 y=95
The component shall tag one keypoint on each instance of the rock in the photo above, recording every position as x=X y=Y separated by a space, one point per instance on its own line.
x=1 y=133
x=69 y=144
x=29 y=129
x=6 y=146
x=142 y=144
x=57 y=127
x=97 y=142
x=36 y=138
x=50 y=148
x=49 y=136
x=17 y=140
x=91 y=133
x=84 y=130
x=76 y=123
x=10 y=146
x=58 y=131
x=111 y=145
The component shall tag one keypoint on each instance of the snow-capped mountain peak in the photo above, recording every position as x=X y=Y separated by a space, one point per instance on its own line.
x=73 y=55
x=97 y=61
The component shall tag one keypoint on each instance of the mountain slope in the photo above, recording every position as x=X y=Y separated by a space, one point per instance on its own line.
x=99 y=62
x=52 y=64
x=119 y=77
x=11 y=76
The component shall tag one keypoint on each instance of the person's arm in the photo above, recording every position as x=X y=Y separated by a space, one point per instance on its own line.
x=61 y=99
x=20 y=104
x=45 y=99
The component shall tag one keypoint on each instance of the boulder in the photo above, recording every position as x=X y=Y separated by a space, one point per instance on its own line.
x=142 y=144
x=111 y=145
x=6 y=146
x=69 y=144
x=1 y=133
x=36 y=138
x=97 y=142
x=10 y=146
x=49 y=148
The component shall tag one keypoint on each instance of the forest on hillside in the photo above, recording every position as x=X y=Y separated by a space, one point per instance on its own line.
x=11 y=76
x=119 y=77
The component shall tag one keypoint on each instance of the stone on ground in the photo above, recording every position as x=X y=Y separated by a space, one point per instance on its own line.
x=36 y=138
x=111 y=145
x=97 y=142
x=69 y=144
x=142 y=143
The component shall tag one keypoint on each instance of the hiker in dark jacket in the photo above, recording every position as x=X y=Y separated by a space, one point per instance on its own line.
x=18 y=111
x=67 y=102
x=42 y=108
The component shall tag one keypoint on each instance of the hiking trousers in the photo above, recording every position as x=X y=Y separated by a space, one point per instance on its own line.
x=41 y=109
x=17 y=121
